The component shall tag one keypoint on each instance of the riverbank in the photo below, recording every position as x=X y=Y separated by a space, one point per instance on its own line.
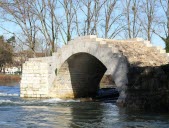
x=9 y=77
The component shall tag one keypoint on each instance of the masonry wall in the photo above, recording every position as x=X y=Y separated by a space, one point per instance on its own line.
x=35 y=79
x=107 y=82
x=62 y=87
x=148 y=88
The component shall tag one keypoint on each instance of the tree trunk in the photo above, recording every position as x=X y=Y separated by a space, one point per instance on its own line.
x=53 y=46
x=167 y=44
x=167 y=13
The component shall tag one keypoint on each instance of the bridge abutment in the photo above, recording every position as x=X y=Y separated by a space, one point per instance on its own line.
x=35 y=79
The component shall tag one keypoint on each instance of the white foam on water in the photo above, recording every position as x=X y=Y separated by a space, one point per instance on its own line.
x=57 y=100
x=17 y=102
x=5 y=101
x=8 y=94
x=34 y=102
x=71 y=100
x=54 y=100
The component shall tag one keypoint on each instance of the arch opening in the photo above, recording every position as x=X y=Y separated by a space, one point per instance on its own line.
x=86 y=72
x=80 y=76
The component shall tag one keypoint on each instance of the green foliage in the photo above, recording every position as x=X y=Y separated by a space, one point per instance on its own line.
x=5 y=56
x=6 y=52
x=68 y=36
x=167 y=44
x=166 y=40
x=1 y=38
x=11 y=40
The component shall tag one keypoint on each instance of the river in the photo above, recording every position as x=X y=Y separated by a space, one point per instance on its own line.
x=16 y=112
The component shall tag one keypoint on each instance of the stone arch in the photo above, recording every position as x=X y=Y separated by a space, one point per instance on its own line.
x=101 y=52
x=79 y=76
x=115 y=63
x=39 y=78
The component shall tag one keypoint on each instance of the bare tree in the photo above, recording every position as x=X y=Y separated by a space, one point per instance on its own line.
x=128 y=16
x=20 y=13
x=148 y=17
x=131 y=13
x=91 y=10
x=45 y=11
x=68 y=7
x=89 y=16
x=111 y=23
x=163 y=23
x=76 y=21
x=86 y=20
x=98 y=5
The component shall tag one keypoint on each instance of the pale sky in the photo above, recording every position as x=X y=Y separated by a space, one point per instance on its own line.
x=156 y=41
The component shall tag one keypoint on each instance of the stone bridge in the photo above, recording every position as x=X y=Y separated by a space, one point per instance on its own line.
x=139 y=70
x=75 y=70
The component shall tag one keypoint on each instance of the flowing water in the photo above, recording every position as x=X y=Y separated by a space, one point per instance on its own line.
x=16 y=112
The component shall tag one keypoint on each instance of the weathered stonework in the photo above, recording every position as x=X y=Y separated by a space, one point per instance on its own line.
x=134 y=66
x=148 y=88
x=57 y=76
x=78 y=68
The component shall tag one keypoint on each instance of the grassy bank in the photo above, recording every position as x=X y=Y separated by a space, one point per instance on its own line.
x=9 y=77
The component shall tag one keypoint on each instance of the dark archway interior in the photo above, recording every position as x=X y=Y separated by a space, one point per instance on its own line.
x=86 y=72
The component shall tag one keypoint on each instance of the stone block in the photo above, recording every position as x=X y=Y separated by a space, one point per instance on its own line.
x=75 y=47
x=85 y=37
x=135 y=39
x=42 y=81
x=30 y=92
x=149 y=45
x=44 y=85
x=35 y=67
x=162 y=51
x=38 y=95
x=43 y=96
x=103 y=42
x=93 y=48
x=43 y=71
x=24 y=84
x=21 y=95
x=23 y=92
x=70 y=42
x=36 y=86
x=100 y=40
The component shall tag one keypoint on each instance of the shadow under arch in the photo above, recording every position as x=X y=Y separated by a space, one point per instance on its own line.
x=85 y=73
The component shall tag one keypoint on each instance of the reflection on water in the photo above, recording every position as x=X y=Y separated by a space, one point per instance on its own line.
x=16 y=112
x=77 y=115
x=94 y=115
x=45 y=116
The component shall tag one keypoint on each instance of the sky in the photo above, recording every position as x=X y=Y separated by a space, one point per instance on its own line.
x=156 y=41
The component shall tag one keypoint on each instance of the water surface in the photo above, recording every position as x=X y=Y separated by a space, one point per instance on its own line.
x=16 y=112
